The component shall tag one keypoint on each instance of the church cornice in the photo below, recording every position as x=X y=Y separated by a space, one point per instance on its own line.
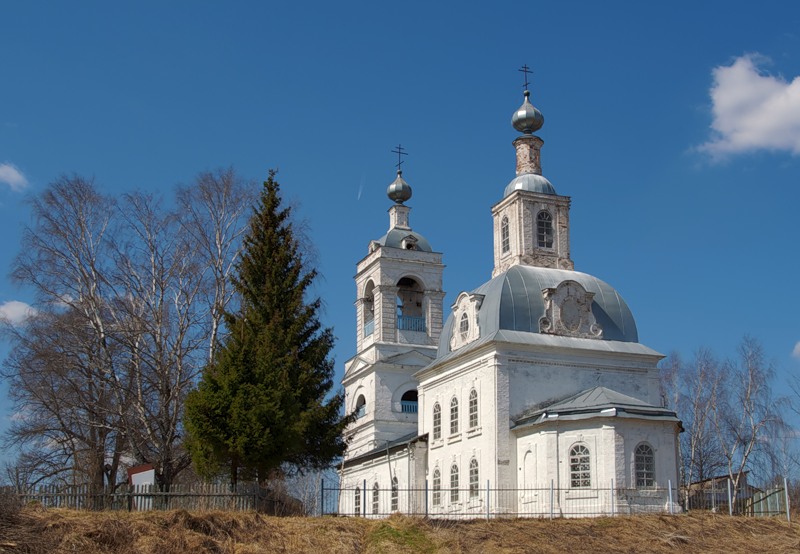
x=478 y=357
x=384 y=254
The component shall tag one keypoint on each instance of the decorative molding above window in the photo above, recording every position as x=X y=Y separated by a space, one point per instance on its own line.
x=465 y=320
x=568 y=312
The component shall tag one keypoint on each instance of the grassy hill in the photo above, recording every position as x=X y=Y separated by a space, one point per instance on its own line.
x=35 y=530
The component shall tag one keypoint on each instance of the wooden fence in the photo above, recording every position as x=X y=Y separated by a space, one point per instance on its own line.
x=197 y=497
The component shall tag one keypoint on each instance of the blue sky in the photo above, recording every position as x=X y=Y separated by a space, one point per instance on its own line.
x=674 y=128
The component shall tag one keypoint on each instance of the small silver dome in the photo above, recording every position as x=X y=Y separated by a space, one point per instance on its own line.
x=399 y=190
x=527 y=119
x=399 y=238
x=530 y=182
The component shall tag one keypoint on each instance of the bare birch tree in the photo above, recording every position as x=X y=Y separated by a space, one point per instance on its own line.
x=745 y=411
x=129 y=297
x=214 y=212
x=59 y=358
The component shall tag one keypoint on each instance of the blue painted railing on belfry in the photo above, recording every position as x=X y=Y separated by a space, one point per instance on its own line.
x=369 y=327
x=409 y=323
x=408 y=406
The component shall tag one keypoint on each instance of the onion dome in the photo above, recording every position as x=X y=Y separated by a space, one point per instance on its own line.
x=399 y=190
x=527 y=119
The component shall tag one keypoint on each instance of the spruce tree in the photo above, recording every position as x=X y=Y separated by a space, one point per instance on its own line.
x=263 y=403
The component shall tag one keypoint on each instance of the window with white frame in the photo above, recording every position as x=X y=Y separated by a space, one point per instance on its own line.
x=454 y=483
x=504 y=235
x=375 y=498
x=394 y=494
x=463 y=326
x=473 y=478
x=544 y=229
x=454 y=416
x=473 y=409
x=645 y=464
x=437 y=422
x=437 y=487
x=579 y=467
x=358 y=501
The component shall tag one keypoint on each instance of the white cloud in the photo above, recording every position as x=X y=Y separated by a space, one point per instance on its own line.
x=753 y=110
x=796 y=351
x=16 y=312
x=13 y=177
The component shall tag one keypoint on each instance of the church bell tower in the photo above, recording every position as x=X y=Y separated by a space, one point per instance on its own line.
x=399 y=319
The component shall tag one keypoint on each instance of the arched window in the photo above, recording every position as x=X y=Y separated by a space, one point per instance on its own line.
x=369 y=309
x=437 y=421
x=361 y=406
x=473 y=478
x=410 y=316
x=463 y=326
x=454 y=483
x=394 y=494
x=645 y=463
x=473 y=409
x=358 y=501
x=504 y=235
x=375 y=498
x=454 y=416
x=579 y=467
x=437 y=487
x=409 y=402
x=544 y=229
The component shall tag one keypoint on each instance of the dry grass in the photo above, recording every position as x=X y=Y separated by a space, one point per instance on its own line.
x=44 y=531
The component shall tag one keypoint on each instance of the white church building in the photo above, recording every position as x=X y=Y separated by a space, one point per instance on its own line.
x=533 y=397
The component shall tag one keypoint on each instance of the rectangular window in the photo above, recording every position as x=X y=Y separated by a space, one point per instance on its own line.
x=454 y=416
x=473 y=409
x=454 y=484
x=473 y=478
x=437 y=421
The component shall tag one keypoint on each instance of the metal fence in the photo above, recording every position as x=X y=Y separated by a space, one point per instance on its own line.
x=197 y=497
x=487 y=502
x=717 y=496
x=550 y=502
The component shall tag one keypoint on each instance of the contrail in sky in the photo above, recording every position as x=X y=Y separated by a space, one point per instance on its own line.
x=361 y=187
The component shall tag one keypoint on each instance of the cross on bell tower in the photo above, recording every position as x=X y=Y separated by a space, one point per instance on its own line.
x=399 y=319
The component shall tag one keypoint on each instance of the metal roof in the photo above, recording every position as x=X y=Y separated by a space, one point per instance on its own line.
x=394 y=239
x=390 y=446
x=530 y=182
x=594 y=402
x=513 y=301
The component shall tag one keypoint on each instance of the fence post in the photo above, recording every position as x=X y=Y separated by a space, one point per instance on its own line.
x=730 y=498
x=669 y=485
x=487 y=500
x=426 y=498
x=551 y=499
x=612 y=498
x=364 y=498
x=786 y=496
x=322 y=496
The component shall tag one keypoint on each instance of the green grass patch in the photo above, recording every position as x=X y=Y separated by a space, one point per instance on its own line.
x=399 y=535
